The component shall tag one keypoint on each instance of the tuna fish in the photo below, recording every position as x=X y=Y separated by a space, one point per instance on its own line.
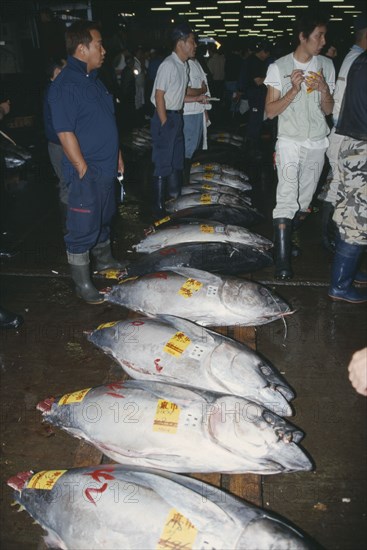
x=175 y=351
x=201 y=297
x=244 y=216
x=224 y=180
x=203 y=199
x=198 y=167
x=113 y=507
x=179 y=429
x=216 y=257
x=201 y=232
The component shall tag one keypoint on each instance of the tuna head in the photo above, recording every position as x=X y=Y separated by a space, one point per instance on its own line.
x=272 y=534
x=240 y=296
x=248 y=429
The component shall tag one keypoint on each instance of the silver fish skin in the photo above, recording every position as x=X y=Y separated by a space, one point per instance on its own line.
x=203 y=199
x=179 y=429
x=138 y=508
x=200 y=296
x=218 y=168
x=224 y=180
x=201 y=232
x=149 y=349
x=211 y=187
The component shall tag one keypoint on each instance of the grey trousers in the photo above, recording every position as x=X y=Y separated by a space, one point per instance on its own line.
x=56 y=153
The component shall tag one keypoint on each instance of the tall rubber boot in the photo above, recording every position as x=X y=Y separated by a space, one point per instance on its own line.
x=297 y=221
x=187 y=171
x=282 y=248
x=343 y=272
x=360 y=277
x=9 y=319
x=174 y=184
x=328 y=227
x=80 y=273
x=104 y=259
x=159 y=194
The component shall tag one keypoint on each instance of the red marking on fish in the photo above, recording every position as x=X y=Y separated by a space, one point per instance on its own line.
x=158 y=368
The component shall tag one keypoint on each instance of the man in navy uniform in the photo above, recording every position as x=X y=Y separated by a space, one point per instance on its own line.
x=83 y=116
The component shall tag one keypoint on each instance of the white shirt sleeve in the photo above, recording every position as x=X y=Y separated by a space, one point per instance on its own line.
x=273 y=77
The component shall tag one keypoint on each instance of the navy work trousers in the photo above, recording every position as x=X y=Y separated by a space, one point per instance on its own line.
x=92 y=204
x=168 y=144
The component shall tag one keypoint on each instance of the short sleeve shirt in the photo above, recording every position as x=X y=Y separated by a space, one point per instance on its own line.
x=172 y=78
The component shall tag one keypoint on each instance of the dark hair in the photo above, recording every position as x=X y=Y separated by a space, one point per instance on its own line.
x=307 y=23
x=180 y=32
x=79 y=33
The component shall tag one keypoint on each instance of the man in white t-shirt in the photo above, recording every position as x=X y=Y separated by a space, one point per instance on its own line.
x=300 y=85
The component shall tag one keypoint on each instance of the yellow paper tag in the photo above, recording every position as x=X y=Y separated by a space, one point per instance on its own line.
x=45 y=479
x=177 y=344
x=207 y=186
x=75 y=397
x=107 y=325
x=206 y=228
x=189 y=287
x=209 y=167
x=195 y=164
x=111 y=273
x=128 y=279
x=166 y=417
x=163 y=220
x=208 y=176
x=205 y=199
x=178 y=532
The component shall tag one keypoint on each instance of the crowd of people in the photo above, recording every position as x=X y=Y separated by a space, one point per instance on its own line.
x=91 y=94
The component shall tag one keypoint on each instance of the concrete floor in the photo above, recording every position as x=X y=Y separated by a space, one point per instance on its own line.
x=49 y=355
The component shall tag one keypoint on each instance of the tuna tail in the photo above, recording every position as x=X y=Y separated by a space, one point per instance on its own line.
x=45 y=405
x=19 y=481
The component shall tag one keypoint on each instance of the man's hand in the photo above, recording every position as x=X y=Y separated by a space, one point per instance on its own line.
x=358 y=371
x=4 y=108
x=316 y=81
x=297 y=77
x=120 y=164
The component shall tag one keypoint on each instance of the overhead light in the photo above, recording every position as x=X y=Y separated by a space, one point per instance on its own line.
x=229 y=1
x=263 y=19
x=206 y=8
x=271 y=12
x=160 y=9
x=202 y=25
x=197 y=20
x=287 y=16
x=336 y=19
x=260 y=24
x=230 y=20
x=232 y=25
x=343 y=7
x=230 y=13
x=254 y=7
x=176 y=3
x=212 y=17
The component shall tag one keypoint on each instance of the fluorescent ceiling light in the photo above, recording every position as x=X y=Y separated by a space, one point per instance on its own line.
x=343 y=7
x=161 y=9
x=254 y=7
x=270 y=12
x=230 y=13
x=230 y=20
x=206 y=8
x=176 y=3
x=260 y=24
x=229 y=1
x=212 y=17
x=197 y=20
x=232 y=25
x=250 y=16
x=202 y=25
x=287 y=16
x=293 y=7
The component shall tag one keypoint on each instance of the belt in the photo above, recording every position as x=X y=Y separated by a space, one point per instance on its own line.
x=179 y=112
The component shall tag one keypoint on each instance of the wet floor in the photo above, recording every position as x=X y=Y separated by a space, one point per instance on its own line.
x=50 y=355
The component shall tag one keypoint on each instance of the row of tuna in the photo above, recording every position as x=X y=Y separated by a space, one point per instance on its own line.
x=200 y=402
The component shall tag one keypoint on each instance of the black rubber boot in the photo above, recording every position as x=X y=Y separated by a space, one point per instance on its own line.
x=104 y=259
x=343 y=273
x=297 y=221
x=328 y=227
x=174 y=184
x=282 y=248
x=9 y=319
x=187 y=171
x=159 y=194
x=80 y=273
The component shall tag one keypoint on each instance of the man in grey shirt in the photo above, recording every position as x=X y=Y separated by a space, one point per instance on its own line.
x=167 y=125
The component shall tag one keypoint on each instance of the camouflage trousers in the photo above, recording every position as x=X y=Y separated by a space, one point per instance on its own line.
x=350 y=213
